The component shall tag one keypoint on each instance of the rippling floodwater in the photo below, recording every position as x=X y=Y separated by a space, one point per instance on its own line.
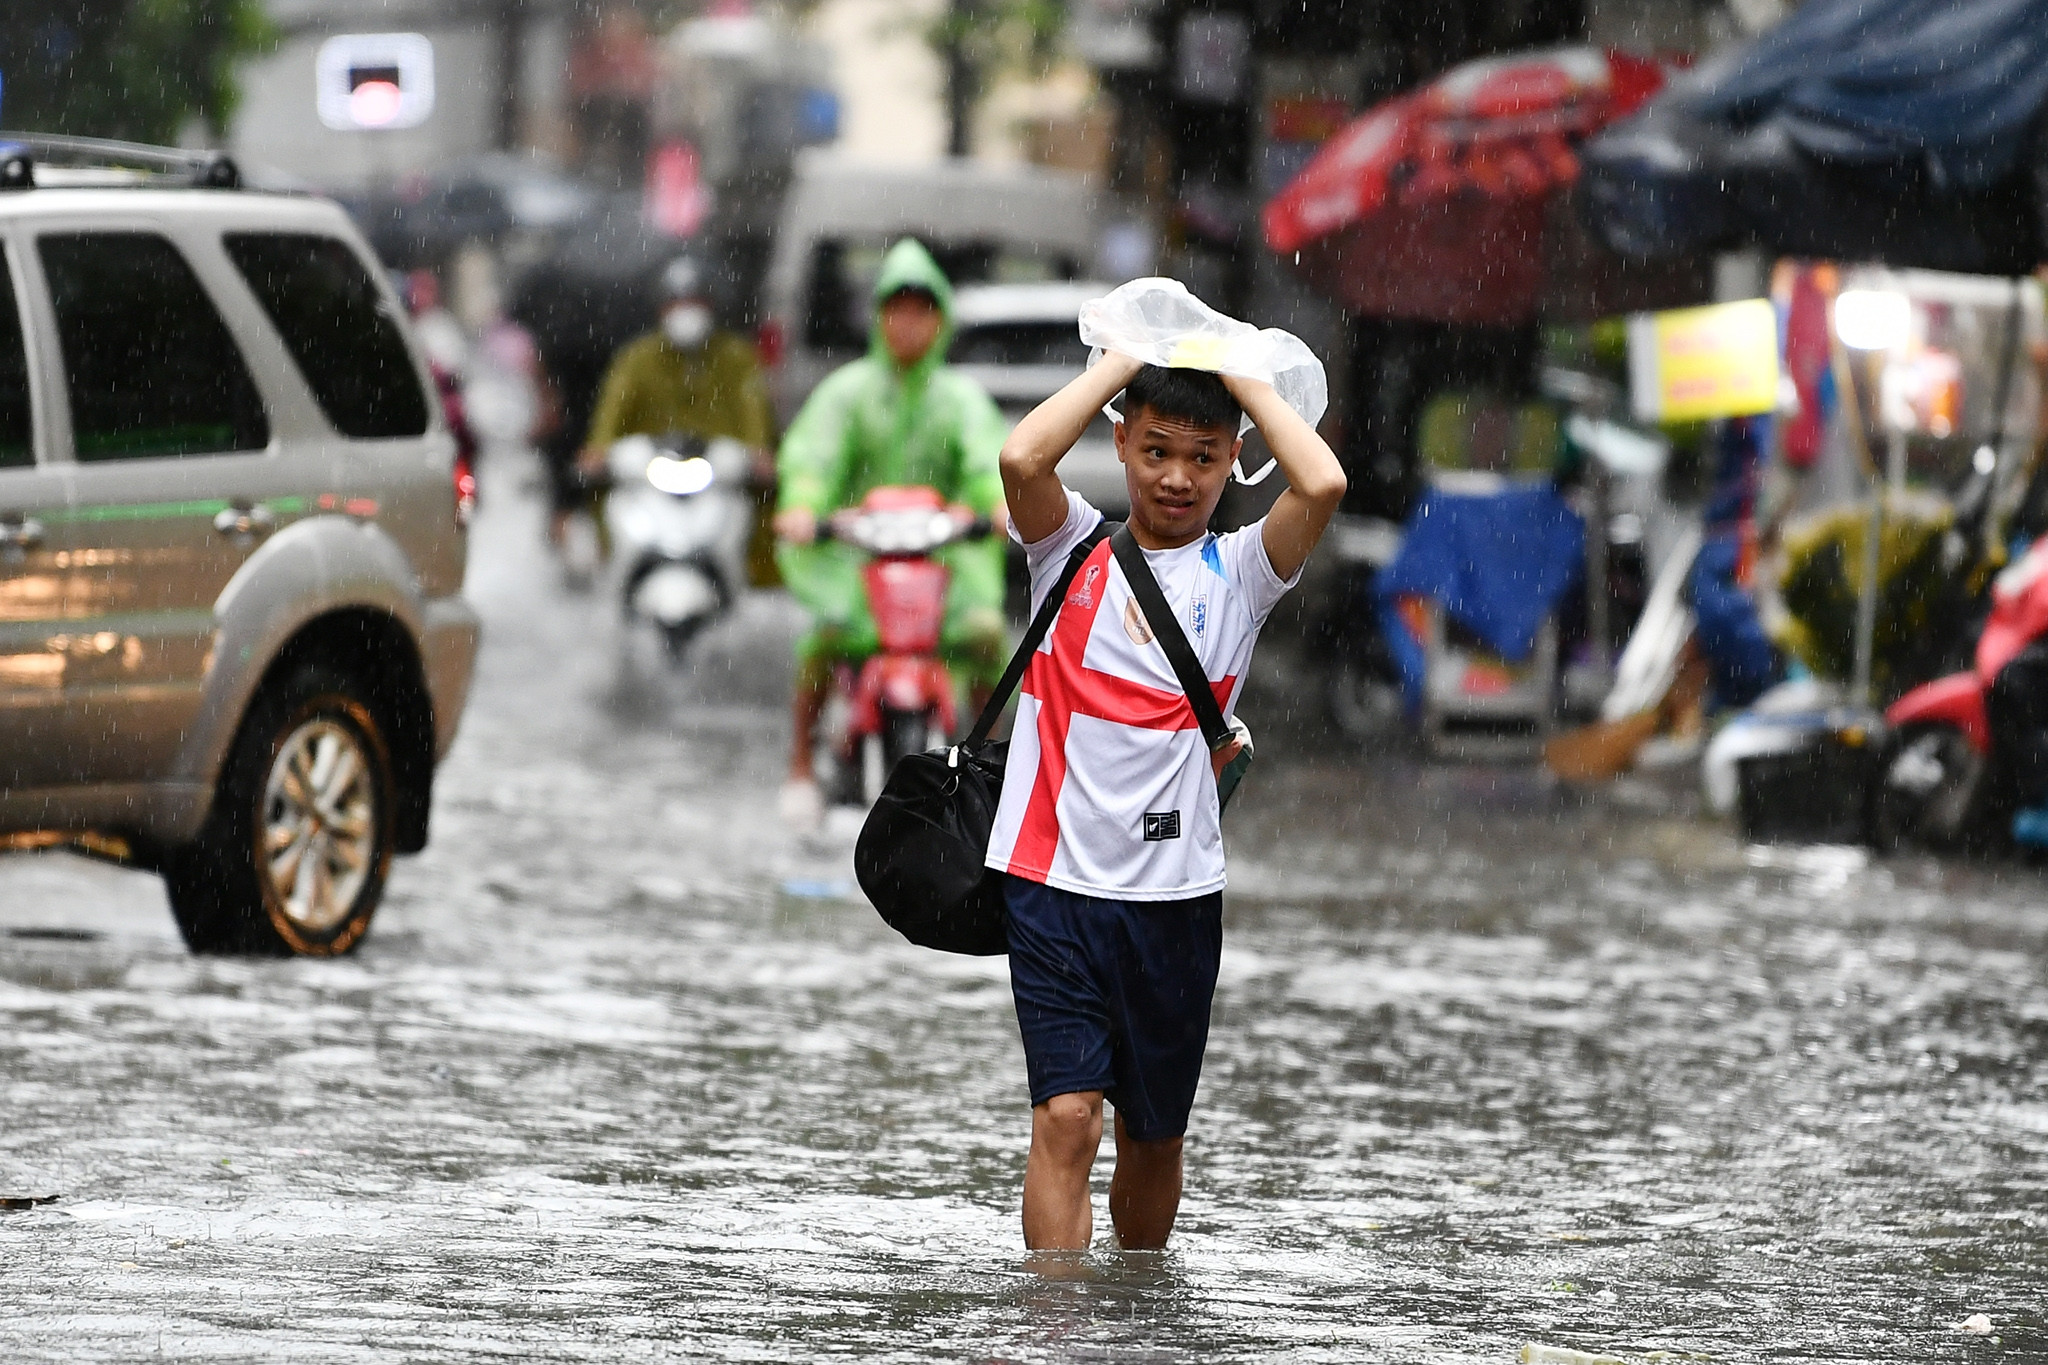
x=621 y=1074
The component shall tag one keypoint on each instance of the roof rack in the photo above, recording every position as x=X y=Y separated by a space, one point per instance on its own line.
x=21 y=152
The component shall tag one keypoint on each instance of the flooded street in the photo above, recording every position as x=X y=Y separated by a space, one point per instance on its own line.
x=623 y=1072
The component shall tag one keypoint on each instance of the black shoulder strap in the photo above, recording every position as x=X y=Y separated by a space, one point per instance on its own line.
x=1034 y=634
x=1172 y=638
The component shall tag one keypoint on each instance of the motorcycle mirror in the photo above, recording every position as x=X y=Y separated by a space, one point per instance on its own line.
x=728 y=458
x=629 y=456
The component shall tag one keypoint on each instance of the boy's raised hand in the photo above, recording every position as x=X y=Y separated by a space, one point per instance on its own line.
x=1030 y=459
x=1315 y=480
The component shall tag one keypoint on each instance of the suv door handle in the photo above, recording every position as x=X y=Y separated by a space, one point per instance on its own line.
x=18 y=532
x=245 y=519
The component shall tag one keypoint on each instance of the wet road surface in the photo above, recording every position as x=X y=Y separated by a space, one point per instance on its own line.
x=625 y=1073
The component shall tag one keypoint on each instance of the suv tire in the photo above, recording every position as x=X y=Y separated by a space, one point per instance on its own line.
x=294 y=854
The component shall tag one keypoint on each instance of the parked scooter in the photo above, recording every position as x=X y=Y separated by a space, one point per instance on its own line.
x=900 y=700
x=679 y=516
x=1945 y=778
x=1361 y=682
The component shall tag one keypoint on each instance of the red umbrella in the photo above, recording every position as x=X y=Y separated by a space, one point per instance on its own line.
x=1448 y=203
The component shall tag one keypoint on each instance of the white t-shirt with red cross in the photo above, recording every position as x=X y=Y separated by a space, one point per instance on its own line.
x=1109 y=790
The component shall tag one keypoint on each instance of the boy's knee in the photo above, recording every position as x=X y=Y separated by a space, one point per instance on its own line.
x=815 y=650
x=976 y=647
x=813 y=667
x=1156 y=1152
x=978 y=632
x=981 y=624
x=1069 y=1125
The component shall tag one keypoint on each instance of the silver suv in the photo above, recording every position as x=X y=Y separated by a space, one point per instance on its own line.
x=232 y=639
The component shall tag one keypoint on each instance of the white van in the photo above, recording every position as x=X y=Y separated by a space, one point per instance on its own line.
x=1022 y=343
x=985 y=224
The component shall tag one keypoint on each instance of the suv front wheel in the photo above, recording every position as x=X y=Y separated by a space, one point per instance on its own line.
x=295 y=851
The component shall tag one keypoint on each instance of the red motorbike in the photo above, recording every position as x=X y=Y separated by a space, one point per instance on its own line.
x=1950 y=771
x=901 y=700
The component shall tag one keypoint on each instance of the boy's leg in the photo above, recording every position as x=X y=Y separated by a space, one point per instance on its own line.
x=1065 y=1132
x=1065 y=1032
x=1161 y=1013
x=1144 y=1194
x=813 y=689
x=826 y=582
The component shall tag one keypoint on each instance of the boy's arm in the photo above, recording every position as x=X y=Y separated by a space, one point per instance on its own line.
x=756 y=413
x=810 y=467
x=611 y=420
x=1030 y=458
x=1315 y=481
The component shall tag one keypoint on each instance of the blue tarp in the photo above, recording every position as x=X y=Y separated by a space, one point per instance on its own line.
x=1952 y=83
x=1893 y=129
x=1497 y=563
x=1740 y=655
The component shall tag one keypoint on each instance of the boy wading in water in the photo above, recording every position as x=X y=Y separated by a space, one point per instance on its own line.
x=1109 y=825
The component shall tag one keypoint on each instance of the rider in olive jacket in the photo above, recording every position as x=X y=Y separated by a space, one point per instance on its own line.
x=898 y=415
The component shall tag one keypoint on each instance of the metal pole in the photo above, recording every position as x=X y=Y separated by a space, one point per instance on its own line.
x=511 y=36
x=1598 y=603
x=959 y=78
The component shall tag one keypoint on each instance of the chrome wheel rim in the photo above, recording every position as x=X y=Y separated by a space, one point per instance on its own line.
x=319 y=824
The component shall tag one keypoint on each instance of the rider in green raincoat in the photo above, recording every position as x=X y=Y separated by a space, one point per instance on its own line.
x=896 y=416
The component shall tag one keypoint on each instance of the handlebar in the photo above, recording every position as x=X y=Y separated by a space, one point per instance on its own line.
x=844 y=528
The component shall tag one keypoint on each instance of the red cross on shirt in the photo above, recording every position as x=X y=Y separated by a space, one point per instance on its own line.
x=1065 y=687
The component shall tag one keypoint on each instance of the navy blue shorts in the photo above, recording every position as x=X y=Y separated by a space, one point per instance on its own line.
x=1114 y=996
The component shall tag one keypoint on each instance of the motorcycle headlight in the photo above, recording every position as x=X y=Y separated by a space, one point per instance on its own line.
x=680 y=477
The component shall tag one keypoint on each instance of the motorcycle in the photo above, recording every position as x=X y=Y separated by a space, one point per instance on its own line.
x=1943 y=773
x=900 y=700
x=679 y=518
x=1361 y=681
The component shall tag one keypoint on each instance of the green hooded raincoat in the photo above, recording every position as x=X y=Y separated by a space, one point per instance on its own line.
x=871 y=424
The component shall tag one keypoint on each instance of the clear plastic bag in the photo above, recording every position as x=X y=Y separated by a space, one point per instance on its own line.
x=1159 y=322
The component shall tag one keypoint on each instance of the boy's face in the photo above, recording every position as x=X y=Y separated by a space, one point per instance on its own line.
x=910 y=325
x=1176 y=470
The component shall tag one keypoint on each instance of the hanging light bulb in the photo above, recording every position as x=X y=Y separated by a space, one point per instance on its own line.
x=1872 y=319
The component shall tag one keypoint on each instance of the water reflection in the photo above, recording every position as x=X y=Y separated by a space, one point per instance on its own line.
x=620 y=1076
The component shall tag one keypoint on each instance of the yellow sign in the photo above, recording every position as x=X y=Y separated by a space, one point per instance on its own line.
x=1695 y=363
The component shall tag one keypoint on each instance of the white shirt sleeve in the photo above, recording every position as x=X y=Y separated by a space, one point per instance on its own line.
x=1250 y=571
x=1045 y=558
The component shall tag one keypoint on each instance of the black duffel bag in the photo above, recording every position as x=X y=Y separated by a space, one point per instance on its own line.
x=920 y=857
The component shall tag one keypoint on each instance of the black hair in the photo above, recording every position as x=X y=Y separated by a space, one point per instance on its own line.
x=915 y=291
x=1192 y=395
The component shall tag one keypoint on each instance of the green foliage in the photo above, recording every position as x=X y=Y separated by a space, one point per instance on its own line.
x=133 y=69
x=1000 y=36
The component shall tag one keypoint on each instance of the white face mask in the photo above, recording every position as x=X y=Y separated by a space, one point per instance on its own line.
x=687 y=326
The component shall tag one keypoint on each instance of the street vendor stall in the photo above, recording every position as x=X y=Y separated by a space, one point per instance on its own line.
x=1929 y=387
x=1451 y=205
x=1903 y=140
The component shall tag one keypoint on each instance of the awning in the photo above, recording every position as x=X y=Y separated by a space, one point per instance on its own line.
x=1445 y=203
x=1903 y=131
